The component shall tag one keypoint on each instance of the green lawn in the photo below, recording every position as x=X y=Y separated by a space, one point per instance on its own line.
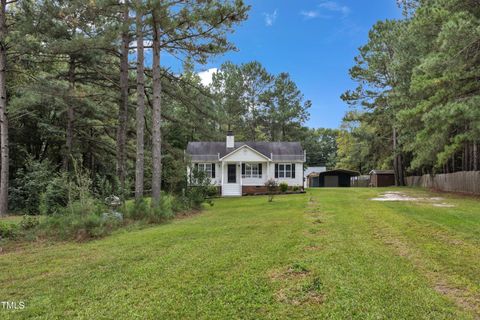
x=327 y=254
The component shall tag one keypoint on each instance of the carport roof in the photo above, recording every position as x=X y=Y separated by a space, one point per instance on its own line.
x=349 y=172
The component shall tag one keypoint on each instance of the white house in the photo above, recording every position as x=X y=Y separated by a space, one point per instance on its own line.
x=239 y=168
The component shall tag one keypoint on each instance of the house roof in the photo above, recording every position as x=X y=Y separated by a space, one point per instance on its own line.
x=382 y=172
x=210 y=151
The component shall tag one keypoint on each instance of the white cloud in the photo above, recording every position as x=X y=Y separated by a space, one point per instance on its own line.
x=206 y=76
x=270 y=18
x=310 y=14
x=333 y=6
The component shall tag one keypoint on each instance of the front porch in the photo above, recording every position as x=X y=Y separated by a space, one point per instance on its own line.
x=238 y=176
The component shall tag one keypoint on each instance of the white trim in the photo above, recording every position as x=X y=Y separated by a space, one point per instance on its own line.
x=284 y=164
x=251 y=165
x=245 y=146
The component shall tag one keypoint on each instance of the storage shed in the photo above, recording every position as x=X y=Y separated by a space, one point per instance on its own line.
x=332 y=178
x=312 y=180
x=311 y=176
x=382 y=178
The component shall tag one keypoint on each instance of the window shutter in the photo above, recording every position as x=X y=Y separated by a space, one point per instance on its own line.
x=293 y=170
x=260 y=169
x=243 y=168
x=196 y=166
x=276 y=170
x=213 y=170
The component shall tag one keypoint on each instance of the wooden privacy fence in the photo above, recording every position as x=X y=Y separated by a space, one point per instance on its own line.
x=360 y=181
x=463 y=181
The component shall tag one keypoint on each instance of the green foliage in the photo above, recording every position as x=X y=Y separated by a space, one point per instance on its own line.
x=8 y=230
x=258 y=105
x=164 y=210
x=272 y=187
x=29 y=222
x=74 y=226
x=56 y=195
x=419 y=76
x=199 y=190
x=138 y=210
x=320 y=146
x=283 y=187
x=29 y=185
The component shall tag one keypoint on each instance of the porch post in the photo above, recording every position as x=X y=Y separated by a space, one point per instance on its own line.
x=241 y=175
x=268 y=171
x=222 y=173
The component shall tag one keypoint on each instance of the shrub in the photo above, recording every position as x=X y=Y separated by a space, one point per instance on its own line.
x=198 y=192
x=77 y=226
x=138 y=210
x=104 y=186
x=296 y=188
x=164 y=210
x=283 y=187
x=56 y=196
x=29 y=222
x=180 y=204
x=29 y=184
x=212 y=191
x=271 y=185
x=8 y=230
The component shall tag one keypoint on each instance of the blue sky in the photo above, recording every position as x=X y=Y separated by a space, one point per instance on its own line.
x=313 y=40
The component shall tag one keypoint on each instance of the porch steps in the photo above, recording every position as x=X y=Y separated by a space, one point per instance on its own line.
x=231 y=190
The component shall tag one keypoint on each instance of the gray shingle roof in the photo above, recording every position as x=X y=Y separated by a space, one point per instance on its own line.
x=280 y=150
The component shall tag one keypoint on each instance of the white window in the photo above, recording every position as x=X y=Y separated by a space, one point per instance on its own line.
x=285 y=170
x=207 y=168
x=252 y=170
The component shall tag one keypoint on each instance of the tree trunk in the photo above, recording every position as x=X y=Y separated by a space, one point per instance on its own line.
x=70 y=115
x=397 y=162
x=140 y=115
x=4 y=162
x=475 y=156
x=123 y=102
x=156 y=117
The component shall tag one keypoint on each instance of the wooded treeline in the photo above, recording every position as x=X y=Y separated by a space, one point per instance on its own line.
x=86 y=91
x=75 y=96
x=417 y=104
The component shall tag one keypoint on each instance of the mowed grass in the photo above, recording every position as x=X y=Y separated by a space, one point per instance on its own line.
x=327 y=254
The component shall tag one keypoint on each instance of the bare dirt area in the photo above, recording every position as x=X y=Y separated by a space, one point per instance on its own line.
x=400 y=196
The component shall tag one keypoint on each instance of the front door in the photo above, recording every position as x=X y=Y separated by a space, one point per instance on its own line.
x=232 y=173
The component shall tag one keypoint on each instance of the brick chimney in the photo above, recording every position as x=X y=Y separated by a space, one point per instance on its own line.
x=230 y=140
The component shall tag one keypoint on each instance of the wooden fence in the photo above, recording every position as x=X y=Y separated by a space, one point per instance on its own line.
x=360 y=181
x=463 y=181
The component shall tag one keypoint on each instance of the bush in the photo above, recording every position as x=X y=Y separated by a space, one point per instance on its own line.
x=139 y=210
x=28 y=186
x=8 y=230
x=199 y=191
x=180 y=204
x=283 y=187
x=296 y=188
x=212 y=191
x=56 y=196
x=271 y=185
x=78 y=226
x=29 y=222
x=164 y=210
